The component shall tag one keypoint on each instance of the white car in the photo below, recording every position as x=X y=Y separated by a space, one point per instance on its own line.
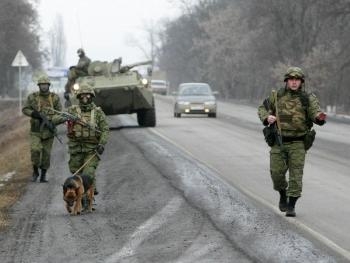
x=159 y=86
x=195 y=98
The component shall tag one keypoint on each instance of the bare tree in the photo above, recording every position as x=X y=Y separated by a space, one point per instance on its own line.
x=58 y=42
x=243 y=47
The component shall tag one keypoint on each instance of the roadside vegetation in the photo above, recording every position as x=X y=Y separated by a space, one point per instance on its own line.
x=243 y=47
x=14 y=159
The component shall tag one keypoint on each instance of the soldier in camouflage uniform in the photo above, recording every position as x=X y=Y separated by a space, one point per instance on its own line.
x=297 y=111
x=81 y=69
x=41 y=134
x=85 y=140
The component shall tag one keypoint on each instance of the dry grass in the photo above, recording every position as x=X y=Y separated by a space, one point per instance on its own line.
x=15 y=157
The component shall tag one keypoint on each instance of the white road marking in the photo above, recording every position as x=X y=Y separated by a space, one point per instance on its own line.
x=335 y=247
x=144 y=230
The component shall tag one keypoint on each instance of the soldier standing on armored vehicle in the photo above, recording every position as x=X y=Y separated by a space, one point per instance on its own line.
x=290 y=112
x=42 y=130
x=88 y=132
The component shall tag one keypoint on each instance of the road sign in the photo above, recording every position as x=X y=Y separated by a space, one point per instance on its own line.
x=20 y=60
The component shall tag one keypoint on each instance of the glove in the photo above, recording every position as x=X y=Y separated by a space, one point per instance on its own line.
x=321 y=118
x=100 y=149
x=36 y=115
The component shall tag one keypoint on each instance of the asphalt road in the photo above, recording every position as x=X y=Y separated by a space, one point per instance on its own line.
x=161 y=201
x=233 y=145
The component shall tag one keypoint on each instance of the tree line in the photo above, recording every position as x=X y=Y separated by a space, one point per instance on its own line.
x=19 y=31
x=243 y=47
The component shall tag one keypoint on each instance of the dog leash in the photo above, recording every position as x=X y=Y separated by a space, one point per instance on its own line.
x=95 y=154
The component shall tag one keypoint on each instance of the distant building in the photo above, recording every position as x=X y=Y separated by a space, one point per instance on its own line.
x=58 y=77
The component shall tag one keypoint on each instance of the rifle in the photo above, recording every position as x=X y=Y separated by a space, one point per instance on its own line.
x=76 y=119
x=278 y=123
x=272 y=132
x=49 y=125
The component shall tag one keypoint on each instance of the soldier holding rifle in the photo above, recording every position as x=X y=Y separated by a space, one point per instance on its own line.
x=87 y=132
x=42 y=129
x=288 y=115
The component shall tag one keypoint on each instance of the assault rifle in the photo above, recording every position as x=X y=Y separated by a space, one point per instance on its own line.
x=272 y=132
x=76 y=119
x=45 y=122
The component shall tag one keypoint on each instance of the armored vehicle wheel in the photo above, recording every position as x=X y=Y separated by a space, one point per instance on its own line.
x=146 y=118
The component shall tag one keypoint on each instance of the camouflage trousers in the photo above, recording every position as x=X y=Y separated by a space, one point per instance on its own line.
x=40 y=150
x=78 y=159
x=292 y=158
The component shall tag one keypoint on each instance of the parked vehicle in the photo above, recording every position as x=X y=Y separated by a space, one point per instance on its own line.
x=195 y=98
x=160 y=86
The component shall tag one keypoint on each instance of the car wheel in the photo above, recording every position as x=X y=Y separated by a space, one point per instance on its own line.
x=212 y=115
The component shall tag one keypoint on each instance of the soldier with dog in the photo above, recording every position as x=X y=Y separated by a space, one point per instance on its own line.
x=87 y=132
x=290 y=113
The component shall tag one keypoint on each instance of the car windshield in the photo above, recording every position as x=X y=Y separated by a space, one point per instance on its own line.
x=194 y=90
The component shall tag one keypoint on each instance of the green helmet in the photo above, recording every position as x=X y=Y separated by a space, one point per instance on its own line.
x=294 y=72
x=85 y=89
x=44 y=80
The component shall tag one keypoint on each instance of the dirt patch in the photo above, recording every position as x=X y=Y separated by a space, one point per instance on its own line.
x=14 y=159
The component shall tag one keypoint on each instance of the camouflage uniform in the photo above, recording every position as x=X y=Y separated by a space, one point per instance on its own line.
x=83 y=64
x=41 y=136
x=297 y=111
x=83 y=140
x=81 y=69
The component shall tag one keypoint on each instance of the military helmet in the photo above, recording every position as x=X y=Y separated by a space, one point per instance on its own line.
x=44 y=80
x=294 y=72
x=80 y=51
x=85 y=89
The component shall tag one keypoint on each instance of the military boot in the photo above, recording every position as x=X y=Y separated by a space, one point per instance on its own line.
x=283 y=200
x=35 y=173
x=291 y=206
x=43 y=176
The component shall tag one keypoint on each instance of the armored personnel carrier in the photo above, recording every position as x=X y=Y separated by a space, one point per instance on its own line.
x=121 y=90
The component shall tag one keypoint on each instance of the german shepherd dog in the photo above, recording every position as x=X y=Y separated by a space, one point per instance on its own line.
x=74 y=189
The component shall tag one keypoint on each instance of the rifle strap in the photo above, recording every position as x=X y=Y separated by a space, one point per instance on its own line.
x=92 y=116
x=274 y=94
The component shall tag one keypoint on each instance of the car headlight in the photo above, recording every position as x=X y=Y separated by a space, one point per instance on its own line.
x=144 y=81
x=212 y=102
x=183 y=102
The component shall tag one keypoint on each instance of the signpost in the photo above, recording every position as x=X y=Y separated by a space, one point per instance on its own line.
x=20 y=61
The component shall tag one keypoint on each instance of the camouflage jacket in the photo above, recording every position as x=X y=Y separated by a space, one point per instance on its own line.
x=41 y=103
x=83 y=138
x=297 y=111
x=83 y=64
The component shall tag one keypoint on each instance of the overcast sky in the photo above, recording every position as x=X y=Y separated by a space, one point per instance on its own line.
x=105 y=27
